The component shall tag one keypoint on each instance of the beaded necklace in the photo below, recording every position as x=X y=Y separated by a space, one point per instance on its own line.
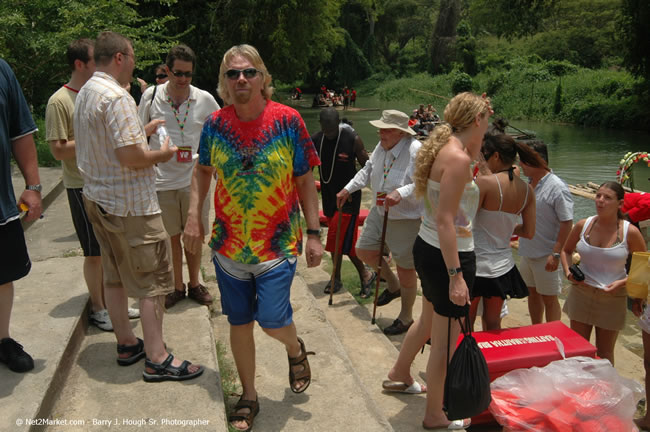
x=333 y=157
x=181 y=124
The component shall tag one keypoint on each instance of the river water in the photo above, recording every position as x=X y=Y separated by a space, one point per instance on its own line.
x=576 y=154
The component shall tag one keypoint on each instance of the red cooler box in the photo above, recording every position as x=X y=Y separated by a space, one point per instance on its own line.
x=525 y=347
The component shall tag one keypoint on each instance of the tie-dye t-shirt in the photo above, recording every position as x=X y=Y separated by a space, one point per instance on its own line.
x=257 y=212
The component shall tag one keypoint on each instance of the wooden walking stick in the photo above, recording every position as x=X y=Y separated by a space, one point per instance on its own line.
x=336 y=255
x=381 y=259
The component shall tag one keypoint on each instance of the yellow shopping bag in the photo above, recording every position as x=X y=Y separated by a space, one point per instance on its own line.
x=637 y=279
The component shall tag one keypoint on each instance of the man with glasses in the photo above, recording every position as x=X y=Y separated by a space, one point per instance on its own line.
x=60 y=135
x=262 y=156
x=116 y=164
x=184 y=108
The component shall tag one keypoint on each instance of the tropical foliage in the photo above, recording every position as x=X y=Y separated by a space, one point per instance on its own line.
x=589 y=59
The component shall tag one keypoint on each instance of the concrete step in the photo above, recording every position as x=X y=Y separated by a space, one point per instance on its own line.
x=76 y=379
x=371 y=353
x=47 y=319
x=101 y=393
x=337 y=398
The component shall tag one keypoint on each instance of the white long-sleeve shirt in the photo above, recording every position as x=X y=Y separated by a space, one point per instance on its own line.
x=399 y=164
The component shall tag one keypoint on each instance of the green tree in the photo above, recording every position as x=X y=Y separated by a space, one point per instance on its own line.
x=401 y=25
x=510 y=18
x=635 y=33
x=466 y=48
x=444 y=36
x=36 y=33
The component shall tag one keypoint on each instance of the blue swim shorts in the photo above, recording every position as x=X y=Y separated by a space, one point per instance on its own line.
x=257 y=292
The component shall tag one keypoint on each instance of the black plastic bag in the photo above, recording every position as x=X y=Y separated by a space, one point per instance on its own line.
x=467 y=384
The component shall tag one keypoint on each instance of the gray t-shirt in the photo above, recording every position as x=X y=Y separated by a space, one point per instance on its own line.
x=553 y=204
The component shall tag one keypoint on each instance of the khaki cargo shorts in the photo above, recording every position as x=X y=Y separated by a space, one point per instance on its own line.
x=174 y=205
x=135 y=252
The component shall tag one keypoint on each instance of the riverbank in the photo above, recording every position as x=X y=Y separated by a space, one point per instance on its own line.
x=533 y=89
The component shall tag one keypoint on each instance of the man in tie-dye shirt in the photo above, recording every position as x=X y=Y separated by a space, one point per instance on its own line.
x=262 y=156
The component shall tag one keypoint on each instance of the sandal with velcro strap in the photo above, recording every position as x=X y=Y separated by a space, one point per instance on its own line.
x=137 y=352
x=302 y=375
x=253 y=409
x=166 y=372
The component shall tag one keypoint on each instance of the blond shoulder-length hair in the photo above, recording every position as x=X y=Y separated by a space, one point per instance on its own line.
x=460 y=113
x=252 y=55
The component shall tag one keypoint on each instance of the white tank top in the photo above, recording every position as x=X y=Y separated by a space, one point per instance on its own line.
x=602 y=266
x=463 y=220
x=492 y=232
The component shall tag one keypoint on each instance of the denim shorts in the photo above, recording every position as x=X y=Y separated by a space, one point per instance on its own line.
x=256 y=292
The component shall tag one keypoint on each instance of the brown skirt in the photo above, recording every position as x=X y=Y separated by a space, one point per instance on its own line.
x=596 y=307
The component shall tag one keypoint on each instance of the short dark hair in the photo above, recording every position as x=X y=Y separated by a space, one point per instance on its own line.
x=108 y=44
x=180 y=52
x=160 y=67
x=329 y=116
x=79 y=50
x=539 y=146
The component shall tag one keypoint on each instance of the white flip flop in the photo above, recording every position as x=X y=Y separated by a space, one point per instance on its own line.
x=400 y=387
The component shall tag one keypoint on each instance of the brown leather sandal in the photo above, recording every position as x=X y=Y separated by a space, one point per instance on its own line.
x=302 y=375
x=253 y=410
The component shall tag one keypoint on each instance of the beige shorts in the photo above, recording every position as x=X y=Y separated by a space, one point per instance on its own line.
x=535 y=275
x=596 y=307
x=400 y=237
x=135 y=252
x=174 y=205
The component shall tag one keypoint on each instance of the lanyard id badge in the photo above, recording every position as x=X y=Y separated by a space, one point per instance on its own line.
x=381 y=197
x=184 y=154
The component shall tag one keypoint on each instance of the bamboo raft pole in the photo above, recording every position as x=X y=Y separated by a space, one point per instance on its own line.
x=429 y=93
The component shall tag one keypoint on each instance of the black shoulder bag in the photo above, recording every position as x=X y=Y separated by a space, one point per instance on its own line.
x=467 y=384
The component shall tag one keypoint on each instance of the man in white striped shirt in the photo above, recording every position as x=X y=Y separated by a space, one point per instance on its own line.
x=120 y=197
x=389 y=172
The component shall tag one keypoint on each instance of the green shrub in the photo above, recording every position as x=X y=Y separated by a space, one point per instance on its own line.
x=45 y=158
x=557 y=104
x=495 y=82
x=462 y=82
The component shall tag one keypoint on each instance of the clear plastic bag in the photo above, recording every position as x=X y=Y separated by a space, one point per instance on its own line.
x=572 y=395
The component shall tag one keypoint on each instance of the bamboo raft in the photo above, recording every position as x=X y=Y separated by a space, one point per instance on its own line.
x=588 y=190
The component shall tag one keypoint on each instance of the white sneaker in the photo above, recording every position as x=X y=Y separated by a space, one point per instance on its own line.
x=133 y=313
x=101 y=320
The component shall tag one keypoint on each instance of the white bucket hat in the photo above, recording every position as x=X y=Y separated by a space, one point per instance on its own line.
x=393 y=119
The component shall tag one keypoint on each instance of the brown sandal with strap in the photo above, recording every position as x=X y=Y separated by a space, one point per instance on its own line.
x=253 y=409
x=302 y=375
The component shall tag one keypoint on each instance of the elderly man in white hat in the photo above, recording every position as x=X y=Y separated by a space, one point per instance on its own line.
x=389 y=172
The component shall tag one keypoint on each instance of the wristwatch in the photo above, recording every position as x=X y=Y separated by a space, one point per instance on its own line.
x=556 y=255
x=454 y=271
x=315 y=232
x=36 y=187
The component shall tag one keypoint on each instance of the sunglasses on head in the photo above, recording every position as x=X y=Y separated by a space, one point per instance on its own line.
x=179 y=74
x=161 y=76
x=249 y=73
x=486 y=153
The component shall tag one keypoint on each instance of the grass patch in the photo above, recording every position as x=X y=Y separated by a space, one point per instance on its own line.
x=349 y=277
x=229 y=379
x=207 y=277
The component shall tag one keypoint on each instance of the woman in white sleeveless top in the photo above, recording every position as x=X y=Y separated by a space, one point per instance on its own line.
x=604 y=243
x=443 y=251
x=504 y=199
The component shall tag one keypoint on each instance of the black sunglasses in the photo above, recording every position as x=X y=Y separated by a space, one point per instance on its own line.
x=249 y=73
x=161 y=76
x=179 y=74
